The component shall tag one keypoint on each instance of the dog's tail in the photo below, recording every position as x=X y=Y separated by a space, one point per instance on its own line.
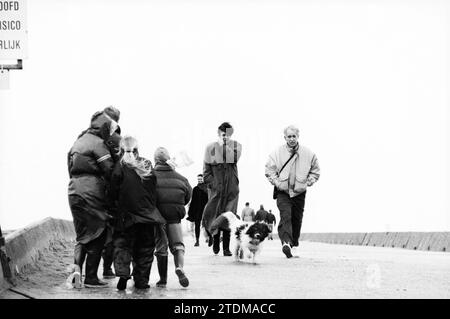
x=226 y=221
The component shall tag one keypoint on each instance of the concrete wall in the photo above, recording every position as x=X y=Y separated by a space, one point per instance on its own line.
x=24 y=246
x=432 y=241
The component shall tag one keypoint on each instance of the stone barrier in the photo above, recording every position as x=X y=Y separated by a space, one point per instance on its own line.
x=24 y=246
x=429 y=241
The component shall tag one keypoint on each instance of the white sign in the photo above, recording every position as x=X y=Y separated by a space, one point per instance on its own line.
x=13 y=30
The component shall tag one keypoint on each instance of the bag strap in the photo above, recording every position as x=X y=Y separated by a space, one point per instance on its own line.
x=287 y=162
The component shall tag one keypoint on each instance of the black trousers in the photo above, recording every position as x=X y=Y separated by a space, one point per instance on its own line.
x=291 y=216
x=108 y=256
x=225 y=240
x=197 y=225
x=135 y=244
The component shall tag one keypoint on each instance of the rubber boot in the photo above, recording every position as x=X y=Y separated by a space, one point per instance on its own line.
x=122 y=283
x=226 y=243
x=210 y=239
x=141 y=272
x=216 y=243
x=108 y=256
x=92 y=263
x=162 y=270
x=179 y=263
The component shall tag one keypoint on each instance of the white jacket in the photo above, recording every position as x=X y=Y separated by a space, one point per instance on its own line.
x=307 y=169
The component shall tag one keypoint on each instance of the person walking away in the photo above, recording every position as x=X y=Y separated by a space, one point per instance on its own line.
x=173 y=193
x=133 y=188
x=248 y=214
x=261 y=214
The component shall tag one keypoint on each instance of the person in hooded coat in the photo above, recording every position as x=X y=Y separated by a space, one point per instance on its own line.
x=90 y=165
x=133 y=189
x=220 y=173
x=112 y=142
x=113 y=145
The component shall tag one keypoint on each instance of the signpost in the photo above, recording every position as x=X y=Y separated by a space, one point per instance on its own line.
x=13 y=37
x=4 y=260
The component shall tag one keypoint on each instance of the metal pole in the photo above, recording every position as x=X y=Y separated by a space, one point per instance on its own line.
x=17 y=66
x=4 y=259
x=2 y=239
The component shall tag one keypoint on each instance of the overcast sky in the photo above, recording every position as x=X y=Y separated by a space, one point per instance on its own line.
x=367 y=83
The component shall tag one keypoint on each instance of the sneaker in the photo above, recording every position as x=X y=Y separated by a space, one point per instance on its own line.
x=287 y=250
x=109 y=274
x=182 y=277
x=196 y=244
x=227 y=253
x=122 y=284
x=95 y=283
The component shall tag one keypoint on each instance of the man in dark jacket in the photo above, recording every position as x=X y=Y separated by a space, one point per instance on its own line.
x=221 y=175
x=197 y=205
x=173 y=194
x=90 y=165
x=261 y=214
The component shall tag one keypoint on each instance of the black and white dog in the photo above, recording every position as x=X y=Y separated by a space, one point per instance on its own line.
x=248 y=235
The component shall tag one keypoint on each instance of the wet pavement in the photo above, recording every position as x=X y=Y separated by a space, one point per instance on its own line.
x=321 y=271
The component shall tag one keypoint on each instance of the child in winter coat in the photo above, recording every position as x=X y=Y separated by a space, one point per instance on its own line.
x=173 y=193
x=133 y=188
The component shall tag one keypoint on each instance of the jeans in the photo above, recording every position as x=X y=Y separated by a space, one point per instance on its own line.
x=168 y=236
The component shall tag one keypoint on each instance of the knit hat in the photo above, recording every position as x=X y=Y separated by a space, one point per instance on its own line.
x=161 y=155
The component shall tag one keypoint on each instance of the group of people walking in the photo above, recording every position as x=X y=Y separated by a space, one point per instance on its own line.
x=130 y=210
x=248 y=215
x=117 y=196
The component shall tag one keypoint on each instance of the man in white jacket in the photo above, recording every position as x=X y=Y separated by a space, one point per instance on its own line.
x=301 y=170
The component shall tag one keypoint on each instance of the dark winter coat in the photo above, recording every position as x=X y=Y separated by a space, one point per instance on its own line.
x=261 y=215
x=135 y=198
x=173 y=193
x=198 y=202
x=90 y=165
x=270 y=219
x=220 y=173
